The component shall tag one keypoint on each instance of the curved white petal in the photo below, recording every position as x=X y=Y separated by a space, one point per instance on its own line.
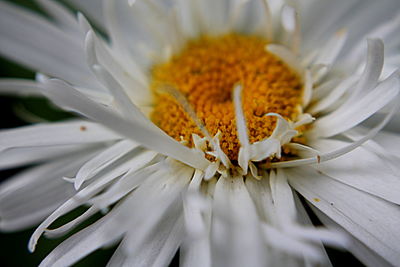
x=84 y=242
x=341 y=120
x=30 y=196
x=102 y=161
x=138 y=128
x=83 y=196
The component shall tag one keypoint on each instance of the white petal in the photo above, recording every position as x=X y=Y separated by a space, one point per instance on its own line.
x=260 y=192
x=282 y=197
x=304 y=218
x=364 y=107
x=213 y=20
x=129 y=181
x=342 y=150
x=371 y=220
x=30 y=196
x=293 y=247
x=372 y=71
x=102 y=161
x=287 y=57
x=188 y=18
x=19 y=87
x=334 y=96
x=125 y=34
x=93 y=8
x=361 y=169
x=151 y=212
x=160 y=246
x=332 y=48
x=36 y=43
x=64 y=18
x=240 y=119
x=64 y=229
x=235 y=225
x=195 y=249
x=244 y=152
x=132 y=83
x=83 y=243
x=308 y=88
x=385 y=29
x=55 y=134
x=28 y=155
x=327 y=14
x=138 y=128
x=146 y=42
x=322 y=90
x=119 y=256
x=83 y=196
x=362 y=252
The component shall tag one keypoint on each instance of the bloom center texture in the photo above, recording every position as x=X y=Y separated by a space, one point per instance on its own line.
x=205 y=73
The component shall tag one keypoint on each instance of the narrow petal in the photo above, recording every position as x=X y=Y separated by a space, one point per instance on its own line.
x=84 y=242
x=17 y=157
x=195 y=249
x=30 y=196
x=235 y=225
x=361 y=251
x=55 y=134
x=160 y=246
x=305 y=219
x=375 y=226
x=364 y=107
x=158 y=220
x=138 y=128
x=261 y=195
x=282 y=197
x=64 y=18
x=102 y=161
x=132 y=82
x=93 y=8
x=342 y=150
x=129 y=182
x=84 y=195
x=19 y=87
x=36 y=43
x=361 y=169
x=372 y=71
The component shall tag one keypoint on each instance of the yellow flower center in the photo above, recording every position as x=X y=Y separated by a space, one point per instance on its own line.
x=205 y=73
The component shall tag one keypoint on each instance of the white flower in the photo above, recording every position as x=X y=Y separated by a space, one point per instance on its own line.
x=220 y=209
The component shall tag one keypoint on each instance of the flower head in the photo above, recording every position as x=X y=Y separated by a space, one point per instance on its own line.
x=208 y=126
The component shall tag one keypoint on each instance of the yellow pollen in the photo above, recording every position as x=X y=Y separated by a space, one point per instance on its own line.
x=205 y=73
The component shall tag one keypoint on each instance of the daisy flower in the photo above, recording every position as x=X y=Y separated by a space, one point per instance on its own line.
x=209 y=127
